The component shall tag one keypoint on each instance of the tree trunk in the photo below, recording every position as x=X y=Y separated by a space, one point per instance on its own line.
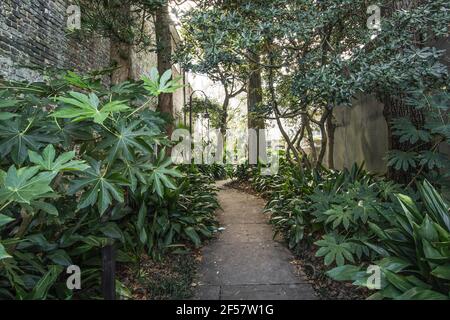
x=120 y=53
x=276 y=111
x=331 y=128
x=164 y=51
x=254 y=98
x=310 y=136
x=223 y=123
x=121 y=58
x=395 y=108
x=224 y=115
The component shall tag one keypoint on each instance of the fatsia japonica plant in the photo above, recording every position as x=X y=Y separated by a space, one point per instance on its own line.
x=83 y=166
x=431 y=162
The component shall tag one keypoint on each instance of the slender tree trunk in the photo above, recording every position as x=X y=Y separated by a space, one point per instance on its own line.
x=224 y=116
x=164 y=45
x=121 y=58
x=120 y=53
x=298 y=146
x=276 y=111
x=323 y=148
x=323 y=132
x=254 y=98
x=331 y=128
x=223 y=122
x=310 y=136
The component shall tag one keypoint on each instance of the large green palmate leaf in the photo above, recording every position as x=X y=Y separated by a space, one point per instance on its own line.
x=99 y=187
x=433 y=160
x=87 y=107
x=129 y=140
x=153 y=120
x=161 y=175
x=137 y=173
x=339 y=215
x=18 y=136
x=438 y=127
x=408 y=132
x=401 y=160
x=64 y=162
x=157 y=85
x=8 y=104
x=334 y=248
x=25 y=185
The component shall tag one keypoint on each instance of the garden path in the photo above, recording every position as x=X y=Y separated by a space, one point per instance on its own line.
x=244 y=262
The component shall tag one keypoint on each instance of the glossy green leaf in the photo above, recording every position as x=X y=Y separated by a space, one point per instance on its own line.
x=25 y=185
x=3 y=253
x=42 y=287
x=49 y=162
x=4 y=220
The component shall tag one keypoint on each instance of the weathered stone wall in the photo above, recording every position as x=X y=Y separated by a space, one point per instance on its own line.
x=33 y=33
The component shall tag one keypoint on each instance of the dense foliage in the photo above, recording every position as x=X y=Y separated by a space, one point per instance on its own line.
x=85 y=166
x=353 y=220
x=317 y=55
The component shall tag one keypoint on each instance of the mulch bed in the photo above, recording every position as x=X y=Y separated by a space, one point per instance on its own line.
x=311 y=267
x=314 y=269
x=171 y=278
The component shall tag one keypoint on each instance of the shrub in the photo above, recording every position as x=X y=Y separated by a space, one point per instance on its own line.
x=414 y=246
x=362 y=219
x=85 y=167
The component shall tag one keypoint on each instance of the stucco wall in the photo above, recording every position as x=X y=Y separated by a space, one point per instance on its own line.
x=361 y=135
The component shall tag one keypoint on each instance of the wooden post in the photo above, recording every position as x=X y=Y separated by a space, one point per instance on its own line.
x=109 y=272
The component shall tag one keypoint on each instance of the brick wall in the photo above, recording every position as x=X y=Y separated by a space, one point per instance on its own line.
x=33 y=32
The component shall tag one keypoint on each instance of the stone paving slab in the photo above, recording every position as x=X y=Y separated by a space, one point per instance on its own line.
x=268 y=292
x=206 y=292
x=246 y=233
x=245 y=262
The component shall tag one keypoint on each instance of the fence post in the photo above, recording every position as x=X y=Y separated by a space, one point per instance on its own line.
x=109 y=272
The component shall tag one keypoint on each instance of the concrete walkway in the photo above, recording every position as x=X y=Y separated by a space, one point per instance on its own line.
x=245 y=263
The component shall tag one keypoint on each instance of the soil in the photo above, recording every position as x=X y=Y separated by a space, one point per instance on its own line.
x=168 y=279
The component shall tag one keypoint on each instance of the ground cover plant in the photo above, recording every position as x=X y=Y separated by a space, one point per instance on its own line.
x=354 y=220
